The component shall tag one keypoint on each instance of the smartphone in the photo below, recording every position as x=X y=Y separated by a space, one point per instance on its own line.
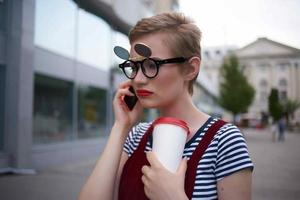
x=130 y=100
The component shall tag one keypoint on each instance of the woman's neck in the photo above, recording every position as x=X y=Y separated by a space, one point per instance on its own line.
x=185 y=110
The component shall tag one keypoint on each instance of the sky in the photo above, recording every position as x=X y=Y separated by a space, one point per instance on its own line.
x=239 y=22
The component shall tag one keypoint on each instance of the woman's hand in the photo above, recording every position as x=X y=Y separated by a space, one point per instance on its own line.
x=123 y=116
x=159 y=183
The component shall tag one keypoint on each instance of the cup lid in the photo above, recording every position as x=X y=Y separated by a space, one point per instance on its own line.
x=172 y=120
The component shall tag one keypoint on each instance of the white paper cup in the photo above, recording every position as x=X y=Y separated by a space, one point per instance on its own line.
x=169 y=138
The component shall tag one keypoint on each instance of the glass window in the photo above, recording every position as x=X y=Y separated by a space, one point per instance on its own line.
x=2 y=15
x=282 y=83
x=263 y=66
x=55 y=26
x=52 y=115
x=91 y=111
x=283 y=66
x=263 y=84
x=94 y=41
x=283 y=96
x=2 y=82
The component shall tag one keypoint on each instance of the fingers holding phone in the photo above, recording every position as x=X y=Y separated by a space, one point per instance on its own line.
x=126 y=105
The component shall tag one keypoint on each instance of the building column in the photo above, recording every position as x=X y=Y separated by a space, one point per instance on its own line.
x=19 y=83
x=297 y=80
x=291 y=82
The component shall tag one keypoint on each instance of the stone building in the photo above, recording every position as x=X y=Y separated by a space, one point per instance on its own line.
x=269 y=64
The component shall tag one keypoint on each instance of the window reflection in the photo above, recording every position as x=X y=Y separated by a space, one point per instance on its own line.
x=55 y=26
x=52 y=110
x=65 y=29
x=91 y=112
x=94 y=41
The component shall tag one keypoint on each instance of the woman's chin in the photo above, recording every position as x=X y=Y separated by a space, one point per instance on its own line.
x=149 y=105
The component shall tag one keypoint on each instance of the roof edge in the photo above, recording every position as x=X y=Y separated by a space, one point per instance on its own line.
x=296 y=51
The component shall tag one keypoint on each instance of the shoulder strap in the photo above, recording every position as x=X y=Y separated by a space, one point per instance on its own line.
x=131 y=186
x=197 y=155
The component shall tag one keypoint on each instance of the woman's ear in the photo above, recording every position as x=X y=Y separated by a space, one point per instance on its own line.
x=193 y=69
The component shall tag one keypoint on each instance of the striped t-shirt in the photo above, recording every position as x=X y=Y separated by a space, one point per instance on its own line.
x=226 y=154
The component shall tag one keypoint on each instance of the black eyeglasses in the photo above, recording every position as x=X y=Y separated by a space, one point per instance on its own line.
x=150 y=66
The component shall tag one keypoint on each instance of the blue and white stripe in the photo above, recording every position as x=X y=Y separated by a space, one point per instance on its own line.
x=226 y=155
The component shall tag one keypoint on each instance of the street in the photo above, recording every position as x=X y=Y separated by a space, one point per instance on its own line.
x=276 y=173
x=276 y=166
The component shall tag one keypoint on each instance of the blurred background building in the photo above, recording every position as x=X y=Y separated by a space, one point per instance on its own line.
x=212 y=60
x=266 y=64
x=57 y=73
x=269 y=64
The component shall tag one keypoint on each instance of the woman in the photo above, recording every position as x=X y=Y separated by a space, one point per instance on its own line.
x=223 y=172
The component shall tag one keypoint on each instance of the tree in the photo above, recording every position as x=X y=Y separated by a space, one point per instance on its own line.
x=289 y=108
x=236 y=94
x=275 y=108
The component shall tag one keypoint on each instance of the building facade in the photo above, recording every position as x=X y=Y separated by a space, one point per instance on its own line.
x=269 y=64
x=55 y=77
x=212 y=60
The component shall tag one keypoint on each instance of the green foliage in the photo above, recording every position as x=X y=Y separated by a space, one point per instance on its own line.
x=236 y=94
x=290 y=107
x=275 y=108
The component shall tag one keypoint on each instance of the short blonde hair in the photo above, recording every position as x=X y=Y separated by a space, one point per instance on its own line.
x=183 y=35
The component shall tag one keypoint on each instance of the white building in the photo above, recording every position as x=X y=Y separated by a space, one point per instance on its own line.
x=268 y=64
x=209 y=78
x=212 y=60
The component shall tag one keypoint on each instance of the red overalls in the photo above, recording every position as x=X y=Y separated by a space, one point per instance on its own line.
x=131 y=185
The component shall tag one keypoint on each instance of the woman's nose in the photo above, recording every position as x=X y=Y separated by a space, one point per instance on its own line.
x=140 y=77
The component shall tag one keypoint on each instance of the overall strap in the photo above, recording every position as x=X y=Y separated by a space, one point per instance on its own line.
x=197 y=155
x=131 y=186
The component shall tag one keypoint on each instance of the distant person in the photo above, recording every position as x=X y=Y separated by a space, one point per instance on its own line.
x=274 y=131
x=163 y=79
x=281 y=129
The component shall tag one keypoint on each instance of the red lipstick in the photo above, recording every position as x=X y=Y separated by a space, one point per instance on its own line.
x=143 y=93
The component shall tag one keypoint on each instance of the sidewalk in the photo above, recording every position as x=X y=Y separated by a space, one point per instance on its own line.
x=61 y=183
x=276 y=165
x=276 y=174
